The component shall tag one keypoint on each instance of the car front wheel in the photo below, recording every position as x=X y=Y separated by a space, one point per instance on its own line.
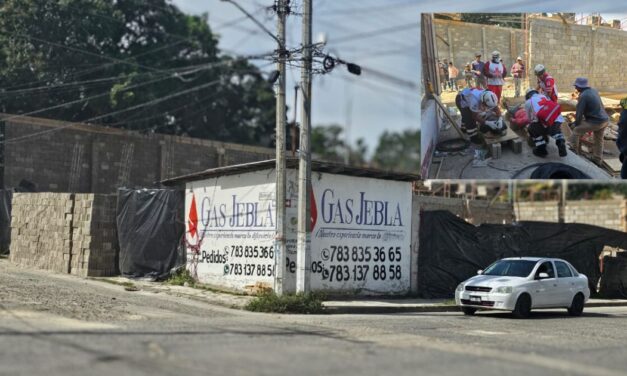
x=576 y=307
x=523 y=307
x=469 y=311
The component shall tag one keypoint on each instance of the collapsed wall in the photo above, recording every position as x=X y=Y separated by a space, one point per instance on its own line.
x=65 y=233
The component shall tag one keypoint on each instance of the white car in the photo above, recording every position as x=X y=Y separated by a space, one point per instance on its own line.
x=524 y=283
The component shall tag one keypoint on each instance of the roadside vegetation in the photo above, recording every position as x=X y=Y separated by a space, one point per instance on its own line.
x=309 y=303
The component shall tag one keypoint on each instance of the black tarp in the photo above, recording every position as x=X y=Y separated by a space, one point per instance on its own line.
x=5 y=220
x=150 y=230
x=452 y=250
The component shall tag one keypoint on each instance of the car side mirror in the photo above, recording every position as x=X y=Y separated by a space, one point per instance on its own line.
x=543 y=276
x=480 y=271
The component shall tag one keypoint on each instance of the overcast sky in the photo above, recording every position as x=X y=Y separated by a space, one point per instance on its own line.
x=370 y=103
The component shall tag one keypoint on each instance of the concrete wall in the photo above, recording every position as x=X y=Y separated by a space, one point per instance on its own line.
x=65 y=233
x=474 y=211
x=74 y=157
x=610 y=214
x=570 y=51
x=460 y=41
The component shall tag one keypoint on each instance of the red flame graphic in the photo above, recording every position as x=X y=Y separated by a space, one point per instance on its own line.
x=192 y=223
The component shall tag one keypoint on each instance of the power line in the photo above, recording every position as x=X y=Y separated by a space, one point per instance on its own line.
x=389 y=30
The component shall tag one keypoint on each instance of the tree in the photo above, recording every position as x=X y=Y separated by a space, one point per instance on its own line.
x=512 y=20
x=140 y=65
x=327 y=144
x=398 y=151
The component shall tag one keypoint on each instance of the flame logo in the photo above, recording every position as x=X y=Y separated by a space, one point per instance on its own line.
x=313 y=209
x=192 y=222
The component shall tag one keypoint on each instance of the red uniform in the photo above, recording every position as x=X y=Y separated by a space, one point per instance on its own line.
x=547 y=84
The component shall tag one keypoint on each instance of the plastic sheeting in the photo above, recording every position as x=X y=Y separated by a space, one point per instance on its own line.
x=452 y=250
x=5 y=221
x=150 y=230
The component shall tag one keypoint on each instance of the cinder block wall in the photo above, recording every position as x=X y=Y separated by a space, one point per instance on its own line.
x=94 y=159
x=460 y=41
x=474 y=211
x=570 y=51
x=65 y=233
x=537 y=211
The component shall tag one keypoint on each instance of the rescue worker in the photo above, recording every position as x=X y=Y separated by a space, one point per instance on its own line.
x=477 y=70
x=590 y=116
x=495 y=70
x=479 y=106
x=546 y=83
x=518 y=72
x=545 y=117
x=621 y=140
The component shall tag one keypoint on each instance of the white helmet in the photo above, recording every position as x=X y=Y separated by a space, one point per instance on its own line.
x=489 y=99
x=496 y=54
x=539 y=70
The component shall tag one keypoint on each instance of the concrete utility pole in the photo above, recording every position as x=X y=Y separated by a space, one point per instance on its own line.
x=279 y=242
x=303 y=256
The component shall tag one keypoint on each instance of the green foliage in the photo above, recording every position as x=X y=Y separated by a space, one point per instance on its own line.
x=398 y=151
x=310 y=303
x=512 y=20
x=125 y=54
x=181 y=277
x=327 y=144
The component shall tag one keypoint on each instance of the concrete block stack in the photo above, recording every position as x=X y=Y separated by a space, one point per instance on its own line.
x=94 y=239
x=40 y=230
x=65 y=233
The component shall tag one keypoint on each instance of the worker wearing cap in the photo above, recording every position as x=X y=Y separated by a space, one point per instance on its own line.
x=479 y=106
x=590 y=116
x=545 y=117
x=546 y=83
x=518 y=72
x=621 y=141
x=494 y=70
x=477 y=70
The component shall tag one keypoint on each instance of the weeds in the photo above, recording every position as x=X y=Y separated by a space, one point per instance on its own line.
x=309 y=303
x=180 y=277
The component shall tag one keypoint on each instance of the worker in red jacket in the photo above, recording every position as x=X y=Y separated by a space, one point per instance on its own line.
x=546 y=83
x=495 y=70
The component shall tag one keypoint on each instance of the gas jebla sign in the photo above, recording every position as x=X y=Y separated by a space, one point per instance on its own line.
x=360 y=238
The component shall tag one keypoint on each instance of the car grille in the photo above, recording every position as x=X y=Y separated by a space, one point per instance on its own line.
x=484 y=303
x=478 y=288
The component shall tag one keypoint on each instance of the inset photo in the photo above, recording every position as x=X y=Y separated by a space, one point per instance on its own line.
x=523 y=96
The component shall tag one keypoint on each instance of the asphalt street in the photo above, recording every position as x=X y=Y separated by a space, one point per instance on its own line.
x=61 y=325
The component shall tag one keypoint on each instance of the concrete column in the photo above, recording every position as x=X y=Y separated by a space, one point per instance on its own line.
x=95 y=165
x=415 y=245
x=483 y=44
x=450 y=44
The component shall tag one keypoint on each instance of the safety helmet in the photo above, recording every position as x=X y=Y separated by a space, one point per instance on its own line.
x=478 y=54
x=496 y=54
x=530 y=93
x=539 y=70
x=489 y=99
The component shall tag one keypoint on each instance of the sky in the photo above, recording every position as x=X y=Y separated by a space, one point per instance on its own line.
x=380 y=35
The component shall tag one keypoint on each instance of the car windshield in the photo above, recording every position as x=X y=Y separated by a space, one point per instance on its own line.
x=510 y=268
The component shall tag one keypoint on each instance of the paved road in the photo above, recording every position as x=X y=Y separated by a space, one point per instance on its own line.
x=61 y=325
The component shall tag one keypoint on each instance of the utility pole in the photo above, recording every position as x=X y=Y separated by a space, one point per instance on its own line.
x=303 y=255
x=279 y=240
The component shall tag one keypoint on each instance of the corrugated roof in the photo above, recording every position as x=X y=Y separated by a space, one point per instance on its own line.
x=318 y=166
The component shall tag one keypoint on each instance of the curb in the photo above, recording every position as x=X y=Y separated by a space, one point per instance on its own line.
x=365 y=310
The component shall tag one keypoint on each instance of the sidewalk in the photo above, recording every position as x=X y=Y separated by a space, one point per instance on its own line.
x=356 y=306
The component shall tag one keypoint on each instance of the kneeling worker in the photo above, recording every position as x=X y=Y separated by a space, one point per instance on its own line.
x=546 y=120
x=479 y=106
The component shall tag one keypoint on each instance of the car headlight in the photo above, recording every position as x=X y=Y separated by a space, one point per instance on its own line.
x=460 y=287
x=504 y=290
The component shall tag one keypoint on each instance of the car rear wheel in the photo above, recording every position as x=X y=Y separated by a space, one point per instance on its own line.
x=576 y=307
x=469 y=311
x=523 y=307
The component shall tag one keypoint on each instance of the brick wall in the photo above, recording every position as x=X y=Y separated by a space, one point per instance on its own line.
x=460 y=41
x=474 y=211
x=65 y=233
x=570 y=51
x=81 y=158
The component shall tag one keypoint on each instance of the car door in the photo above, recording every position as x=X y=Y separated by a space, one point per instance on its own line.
x=545 y=290
x=566 y=284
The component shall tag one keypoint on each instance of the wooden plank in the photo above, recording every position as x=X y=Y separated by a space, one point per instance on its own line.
x=613 y=164
x=489 y=139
